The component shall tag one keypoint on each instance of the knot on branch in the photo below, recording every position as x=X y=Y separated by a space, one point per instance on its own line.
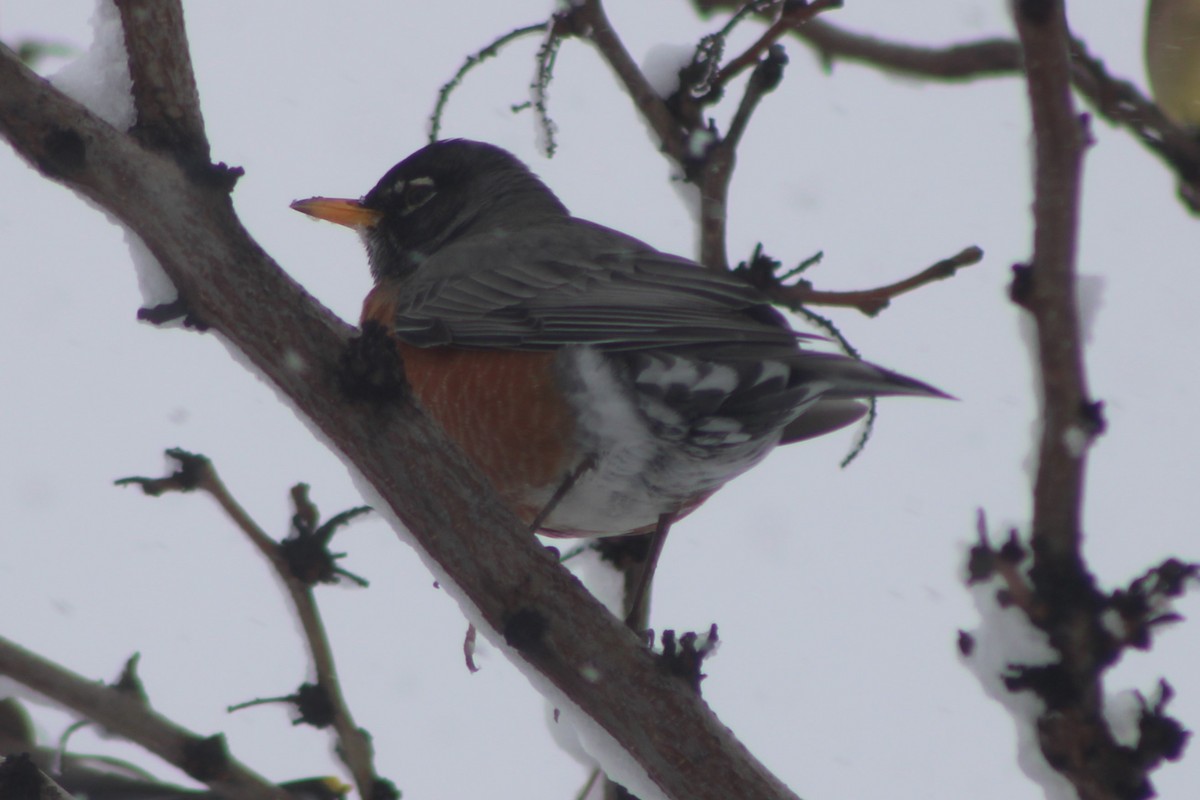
x=524 y=629
x=306 y=552
x=206 y=759
x=63 y=155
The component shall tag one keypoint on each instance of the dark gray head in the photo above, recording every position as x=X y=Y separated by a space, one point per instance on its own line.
x=444 y=191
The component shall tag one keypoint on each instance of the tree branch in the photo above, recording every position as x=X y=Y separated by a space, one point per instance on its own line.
x=164 y=87
x=204 y=759
x=1072 y=730
x=353 y=743
x=791 y=17
x=1116 y=100
x=871 y=301
x=590 y=21
x=1047 y=288
x=478 y=549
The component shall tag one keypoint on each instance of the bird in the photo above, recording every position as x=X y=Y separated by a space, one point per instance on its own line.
x=1173 y=58
x=602 y=386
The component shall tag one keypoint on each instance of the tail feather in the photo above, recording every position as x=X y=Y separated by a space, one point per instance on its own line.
x=852 y=378
x=825 y=416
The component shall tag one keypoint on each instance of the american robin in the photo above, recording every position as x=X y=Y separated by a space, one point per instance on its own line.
x=602 y=386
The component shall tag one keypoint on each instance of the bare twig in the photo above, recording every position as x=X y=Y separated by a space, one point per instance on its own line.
x=985 y=58
x=1047 y=288
x=540 y=87
x=791 y=17
x=872 y=301
x=589 y=19
x=354 y=744
x=472 y=61
x=164 y=87
x=203 y=758
x=1118 y=101
x=982 y=59
x=1073 y=732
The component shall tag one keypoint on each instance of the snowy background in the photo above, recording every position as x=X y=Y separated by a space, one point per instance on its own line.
x=838 y=592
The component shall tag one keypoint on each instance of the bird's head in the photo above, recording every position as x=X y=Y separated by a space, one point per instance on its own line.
x=443 y=192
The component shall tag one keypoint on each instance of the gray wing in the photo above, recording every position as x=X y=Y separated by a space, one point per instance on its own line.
x=713 y=360
x=527 y=291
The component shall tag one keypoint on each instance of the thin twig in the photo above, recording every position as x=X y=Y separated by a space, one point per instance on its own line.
x=982 y=59
x=1120 y=102
x=792 y=17
x=203 y=758
x=1117 y=100
x=540 y=87
x=586 y=789
x=872 y=301
x=1048 y=290
x=354 y=746
x=472 y=61
x=1073 y=733
x=164 y=86
x=713 y=170
x=589 y=18
x=765 y=78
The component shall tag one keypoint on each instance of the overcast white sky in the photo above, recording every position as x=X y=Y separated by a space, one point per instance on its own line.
x=838 y=592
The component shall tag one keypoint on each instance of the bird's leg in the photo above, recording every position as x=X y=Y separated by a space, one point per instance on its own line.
x=639 y=603
x=567 y=484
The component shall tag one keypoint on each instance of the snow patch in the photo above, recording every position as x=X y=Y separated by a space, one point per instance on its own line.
x=1076 y=439
x=1089 y=296
x=155 y=286
x=662 y=64
x=699 y=141
x=1123 y=712
x=1006 y=637
x=602 y=579
x=99 y=79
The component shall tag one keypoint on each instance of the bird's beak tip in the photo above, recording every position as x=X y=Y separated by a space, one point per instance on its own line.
x=350 y=213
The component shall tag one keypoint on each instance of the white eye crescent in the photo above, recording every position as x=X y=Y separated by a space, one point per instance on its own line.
x=417 y=193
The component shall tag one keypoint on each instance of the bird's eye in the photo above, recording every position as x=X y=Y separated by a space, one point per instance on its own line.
x=417 y=193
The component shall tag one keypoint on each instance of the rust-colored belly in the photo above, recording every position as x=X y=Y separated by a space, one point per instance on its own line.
x=504 y=409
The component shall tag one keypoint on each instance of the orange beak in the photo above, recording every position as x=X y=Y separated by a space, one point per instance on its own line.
x=350 y=213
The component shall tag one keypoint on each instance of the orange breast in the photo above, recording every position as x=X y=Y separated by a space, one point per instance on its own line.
x=504 y=409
